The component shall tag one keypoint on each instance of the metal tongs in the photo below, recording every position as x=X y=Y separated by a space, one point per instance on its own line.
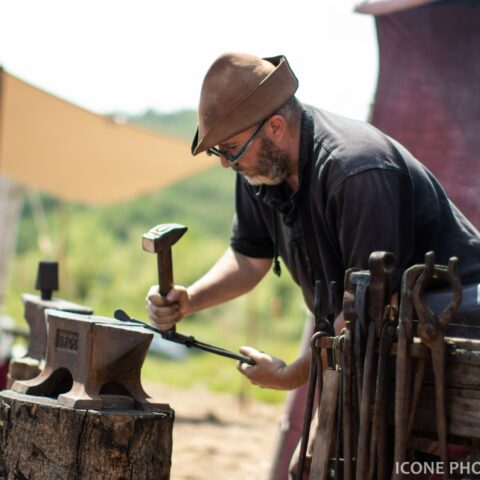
x=188 y=341
x=431 y=330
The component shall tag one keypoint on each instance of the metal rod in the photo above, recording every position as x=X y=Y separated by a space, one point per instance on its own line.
x=188 y=341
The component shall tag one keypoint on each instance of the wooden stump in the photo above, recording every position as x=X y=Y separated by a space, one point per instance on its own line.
x=40 y=440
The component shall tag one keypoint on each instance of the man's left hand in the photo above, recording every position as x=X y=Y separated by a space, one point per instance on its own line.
x=269 y=372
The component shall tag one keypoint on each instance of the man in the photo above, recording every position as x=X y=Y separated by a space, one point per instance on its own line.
x=319 y=190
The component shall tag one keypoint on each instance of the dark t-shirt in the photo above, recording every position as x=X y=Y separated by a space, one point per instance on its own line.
x=359 y=192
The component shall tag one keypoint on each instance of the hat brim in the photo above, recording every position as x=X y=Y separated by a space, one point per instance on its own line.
x=268 y=97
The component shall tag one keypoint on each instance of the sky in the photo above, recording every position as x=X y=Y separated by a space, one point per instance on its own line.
x=133 y=55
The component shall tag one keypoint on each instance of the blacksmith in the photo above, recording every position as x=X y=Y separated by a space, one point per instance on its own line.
x=318 y=190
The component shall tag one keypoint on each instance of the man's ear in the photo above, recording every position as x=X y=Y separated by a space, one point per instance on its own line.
x=276 y=127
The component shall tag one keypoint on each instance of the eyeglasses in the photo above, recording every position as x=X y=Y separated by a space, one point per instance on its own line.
x=234 y=158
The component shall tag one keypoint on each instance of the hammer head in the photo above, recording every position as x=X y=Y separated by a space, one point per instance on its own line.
x=162 y=237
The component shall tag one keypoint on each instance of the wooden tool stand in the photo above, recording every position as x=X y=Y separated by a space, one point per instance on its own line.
x=31 y=364
x=462 y=407
x=86 y=415
x=462 y=393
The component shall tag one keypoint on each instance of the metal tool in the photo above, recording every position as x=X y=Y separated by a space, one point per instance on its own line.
x=381 y=266
x=431 y=330
x=47 y=279
x=35 y=306
x=187 y=341
x=349 y=288
x=361 y=281
x=347 y=390
x=403 y=373
x=383 y=315
x=337 y=436
x=378 y=440
x=327 y=413
x=160 y=240
x=354 y=353
x=323 y=328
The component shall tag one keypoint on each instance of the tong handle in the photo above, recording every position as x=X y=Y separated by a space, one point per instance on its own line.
x=188 y=341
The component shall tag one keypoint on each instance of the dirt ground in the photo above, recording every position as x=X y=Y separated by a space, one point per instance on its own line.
x=217 y=438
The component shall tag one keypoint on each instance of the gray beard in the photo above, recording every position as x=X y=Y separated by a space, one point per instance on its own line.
x=272 y=166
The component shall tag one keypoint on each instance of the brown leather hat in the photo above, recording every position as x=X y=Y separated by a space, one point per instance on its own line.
x=239 y=91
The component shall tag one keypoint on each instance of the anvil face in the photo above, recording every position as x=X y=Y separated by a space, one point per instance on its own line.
x=35 y=316
x=89 y=357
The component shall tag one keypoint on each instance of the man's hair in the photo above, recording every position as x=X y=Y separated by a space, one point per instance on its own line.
x=290 y=111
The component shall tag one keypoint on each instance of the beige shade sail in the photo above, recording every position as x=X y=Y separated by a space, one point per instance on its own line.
x=51 y=145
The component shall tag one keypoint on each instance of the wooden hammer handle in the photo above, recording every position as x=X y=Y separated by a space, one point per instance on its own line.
x=165 y=275
x=165 y=271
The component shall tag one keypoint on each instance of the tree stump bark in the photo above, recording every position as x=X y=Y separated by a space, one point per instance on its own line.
x=42 y=441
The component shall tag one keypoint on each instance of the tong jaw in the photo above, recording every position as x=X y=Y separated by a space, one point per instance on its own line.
x=431 y=324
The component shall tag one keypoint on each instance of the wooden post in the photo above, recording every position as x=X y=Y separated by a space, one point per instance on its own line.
x=40 y=440
x=10 y=202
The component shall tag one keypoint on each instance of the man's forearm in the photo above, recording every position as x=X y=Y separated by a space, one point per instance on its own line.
x=233 y=275
x=296 y=373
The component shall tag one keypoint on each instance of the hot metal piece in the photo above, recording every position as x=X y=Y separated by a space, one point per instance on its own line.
x=88 y=359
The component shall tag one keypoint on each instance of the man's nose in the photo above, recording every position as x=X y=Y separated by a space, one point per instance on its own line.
x=225 y=163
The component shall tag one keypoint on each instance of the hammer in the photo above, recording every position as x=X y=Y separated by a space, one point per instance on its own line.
x=160 y=240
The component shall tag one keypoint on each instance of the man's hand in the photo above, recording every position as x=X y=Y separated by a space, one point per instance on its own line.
x=269 y=372
x=164 y=313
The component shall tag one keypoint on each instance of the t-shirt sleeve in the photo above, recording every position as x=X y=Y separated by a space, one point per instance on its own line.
x=250 y=235
x=373 y=211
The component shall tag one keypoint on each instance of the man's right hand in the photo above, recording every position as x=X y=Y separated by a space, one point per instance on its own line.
x=233 y=275
x=165 y=312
